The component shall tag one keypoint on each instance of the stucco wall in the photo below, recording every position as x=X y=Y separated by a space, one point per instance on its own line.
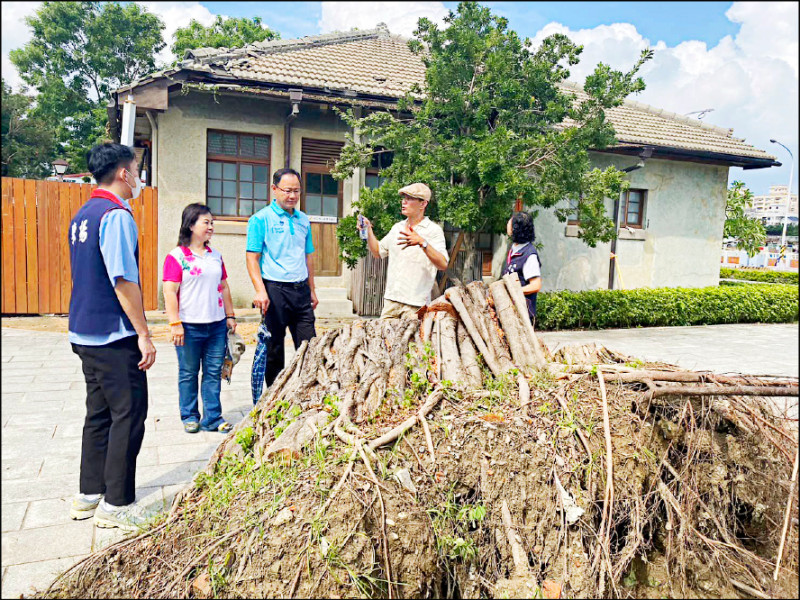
x=681 y=238
x=182 y=165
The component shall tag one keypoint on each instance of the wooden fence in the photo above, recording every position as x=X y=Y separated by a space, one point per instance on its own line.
x=36 y=270
x=368 y=283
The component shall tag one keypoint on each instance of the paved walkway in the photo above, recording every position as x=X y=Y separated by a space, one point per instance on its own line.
x=43 y=395
x=769 y=349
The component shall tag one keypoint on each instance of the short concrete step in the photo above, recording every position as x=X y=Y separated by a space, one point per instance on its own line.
x=331 y=294
x=334 y=307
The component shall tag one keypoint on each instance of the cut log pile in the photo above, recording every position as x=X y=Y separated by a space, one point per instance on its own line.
x=454 y=454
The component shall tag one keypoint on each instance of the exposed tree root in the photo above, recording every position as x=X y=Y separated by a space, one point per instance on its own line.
x=579 y=473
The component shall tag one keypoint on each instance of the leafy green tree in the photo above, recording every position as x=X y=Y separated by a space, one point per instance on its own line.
x=233 y=32
x=493 y=126
x=28 y=143
x=79 y=53
x=749 y=232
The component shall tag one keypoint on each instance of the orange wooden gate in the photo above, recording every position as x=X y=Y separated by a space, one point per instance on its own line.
x=36 y=270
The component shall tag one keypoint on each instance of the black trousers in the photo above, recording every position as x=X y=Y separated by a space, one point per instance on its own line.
x=116 y=407
x=289 y=306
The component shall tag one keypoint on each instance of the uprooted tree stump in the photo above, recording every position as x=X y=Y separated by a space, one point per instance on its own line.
x=454 y=455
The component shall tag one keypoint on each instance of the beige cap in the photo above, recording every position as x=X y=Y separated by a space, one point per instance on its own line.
x=416 y=190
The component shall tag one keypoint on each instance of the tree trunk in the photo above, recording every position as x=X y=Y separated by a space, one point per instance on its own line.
x=471 y=254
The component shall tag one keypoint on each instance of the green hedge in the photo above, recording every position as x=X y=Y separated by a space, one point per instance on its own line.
x=763 y=276
x=660 y=307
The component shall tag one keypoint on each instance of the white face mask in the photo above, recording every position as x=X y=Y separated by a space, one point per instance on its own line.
x=135 y=191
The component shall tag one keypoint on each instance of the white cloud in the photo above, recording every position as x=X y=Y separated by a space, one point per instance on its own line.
x=750 y=80
x=175 y=15
x=15 y=34
x=400 y=17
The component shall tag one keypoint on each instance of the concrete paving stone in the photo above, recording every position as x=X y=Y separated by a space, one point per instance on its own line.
x=5 y=358
x=46 y=513
x=64 y=395
x=162 y=411
x=39 y=386
x=163 y=438
x=186 y=453
x=31 y=348
x=26 y=490
x=147 y=457
x=105 y=537
x=12 y=515
x=12 y=398
x=54 y=466
x=46 y=543
x=69 y=430
x=29 y=438
x=26 y=468
x=12 y=368
x=44 y=417
x=28 y=362
x=70 y=374
x=24 y=580
x=167 y=423
x=172 y=474
x=8 y=379
x=23 y=451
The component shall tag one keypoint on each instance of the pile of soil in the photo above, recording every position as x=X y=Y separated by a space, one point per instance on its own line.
x=372 y=468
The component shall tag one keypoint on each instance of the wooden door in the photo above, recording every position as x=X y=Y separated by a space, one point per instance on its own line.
x=322 y=201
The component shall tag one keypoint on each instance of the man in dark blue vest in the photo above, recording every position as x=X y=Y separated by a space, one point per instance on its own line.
x=108 y=331
x=523 y=259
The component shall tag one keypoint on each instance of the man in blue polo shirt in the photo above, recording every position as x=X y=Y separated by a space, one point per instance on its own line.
x=281 y=266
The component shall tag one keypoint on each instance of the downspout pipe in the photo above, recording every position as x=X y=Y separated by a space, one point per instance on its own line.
x=612 y=265
x=153 y=148
x=295 y=97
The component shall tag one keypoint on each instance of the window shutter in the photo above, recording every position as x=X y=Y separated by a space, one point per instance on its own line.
x=321 y=152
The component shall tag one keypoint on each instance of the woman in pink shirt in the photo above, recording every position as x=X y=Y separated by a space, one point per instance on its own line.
x=200 y=310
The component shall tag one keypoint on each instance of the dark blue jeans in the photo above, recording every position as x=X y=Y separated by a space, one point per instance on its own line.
x=202 y=343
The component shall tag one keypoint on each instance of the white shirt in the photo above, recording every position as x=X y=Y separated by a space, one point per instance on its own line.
x=410 y=274
x=531 y=268
x=200 y=277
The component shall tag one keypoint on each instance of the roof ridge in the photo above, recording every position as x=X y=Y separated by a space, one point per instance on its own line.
x=207 y=55
x=660 y=112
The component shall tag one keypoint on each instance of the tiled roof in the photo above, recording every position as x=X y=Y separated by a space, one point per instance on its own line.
x=376 y=63
x=640 y=124
x=372 y=62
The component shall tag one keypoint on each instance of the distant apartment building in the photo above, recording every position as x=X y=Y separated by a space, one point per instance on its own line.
x=772 y=207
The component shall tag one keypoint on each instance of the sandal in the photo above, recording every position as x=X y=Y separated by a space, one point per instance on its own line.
x=223 y=427
x=191 y=426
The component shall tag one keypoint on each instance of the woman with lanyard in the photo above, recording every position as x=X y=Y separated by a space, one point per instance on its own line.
x=523 y=259
x=198 y=303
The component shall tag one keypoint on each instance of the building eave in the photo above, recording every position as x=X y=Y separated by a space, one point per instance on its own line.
x=687 y=155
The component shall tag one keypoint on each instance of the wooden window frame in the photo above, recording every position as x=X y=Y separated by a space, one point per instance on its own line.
x=377 y=170
x=238 y=160
x=319 y=170
x=624 y=216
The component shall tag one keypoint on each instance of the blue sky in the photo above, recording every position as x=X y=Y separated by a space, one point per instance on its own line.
x=738 y=58
x=672 y=22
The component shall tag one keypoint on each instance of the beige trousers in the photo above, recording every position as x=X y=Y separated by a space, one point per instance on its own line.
x=398 y=310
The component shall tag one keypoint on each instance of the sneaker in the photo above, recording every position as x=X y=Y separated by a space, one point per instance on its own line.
x=83 y=506
x=128 y=518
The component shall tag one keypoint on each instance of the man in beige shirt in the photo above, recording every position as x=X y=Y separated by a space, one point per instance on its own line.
x=416 y=249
